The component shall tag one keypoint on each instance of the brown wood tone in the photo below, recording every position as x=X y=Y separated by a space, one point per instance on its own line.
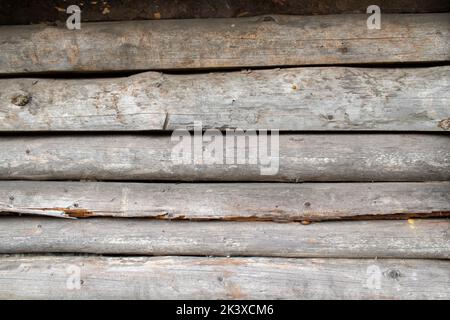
x=224 y=43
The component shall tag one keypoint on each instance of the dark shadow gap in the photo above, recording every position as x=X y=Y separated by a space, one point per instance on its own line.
x=127 y=73
x=168 y=133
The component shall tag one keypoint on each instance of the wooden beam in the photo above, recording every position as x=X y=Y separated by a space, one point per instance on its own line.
x=224 y=43
x=300 y=157
x=229 y=201
x=76 y=277
x=412 y=99
x=415 y=238
x=55 y=10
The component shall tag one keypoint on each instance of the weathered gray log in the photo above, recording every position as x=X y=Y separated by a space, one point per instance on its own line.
x=301 y=157
x=415 y=238
x=32 y=11
x=76 y=277
x=217 y=43
x=412 y=99
x=226 y=201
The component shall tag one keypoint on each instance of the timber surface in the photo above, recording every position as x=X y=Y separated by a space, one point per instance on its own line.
x=224 y=43
x=226 y=201
x=413 y=238
x=302 y=157
x=44 y=277
x=412 y=99
x=231 y=234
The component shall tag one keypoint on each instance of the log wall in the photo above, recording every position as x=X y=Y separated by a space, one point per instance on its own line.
x=359 y=181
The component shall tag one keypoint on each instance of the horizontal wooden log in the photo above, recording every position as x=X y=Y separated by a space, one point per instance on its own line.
x=415 y=238
x=229 y=201
x=300 y=157
x=75 y=277
x=220 y=43
x=412 y=99
x=55 y=10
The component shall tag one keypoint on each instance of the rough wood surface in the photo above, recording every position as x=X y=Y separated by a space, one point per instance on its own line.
x=32 y=11
x=414 y=238
x=412 y=99
x=302 y=157
x=46 y=277
x=226 y=201
x=217 y=43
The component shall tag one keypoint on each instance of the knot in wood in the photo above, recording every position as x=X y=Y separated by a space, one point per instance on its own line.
x=20 y=100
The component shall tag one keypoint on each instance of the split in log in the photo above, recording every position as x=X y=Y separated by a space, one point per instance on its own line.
x=227 y=201
x=412 y=99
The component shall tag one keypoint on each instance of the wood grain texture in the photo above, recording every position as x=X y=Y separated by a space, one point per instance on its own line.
x=415 y=238
x=412 y=99
x=302 y=157
x=226 y=201
x=47 y=277
x=111 y=10
x=218 y=43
